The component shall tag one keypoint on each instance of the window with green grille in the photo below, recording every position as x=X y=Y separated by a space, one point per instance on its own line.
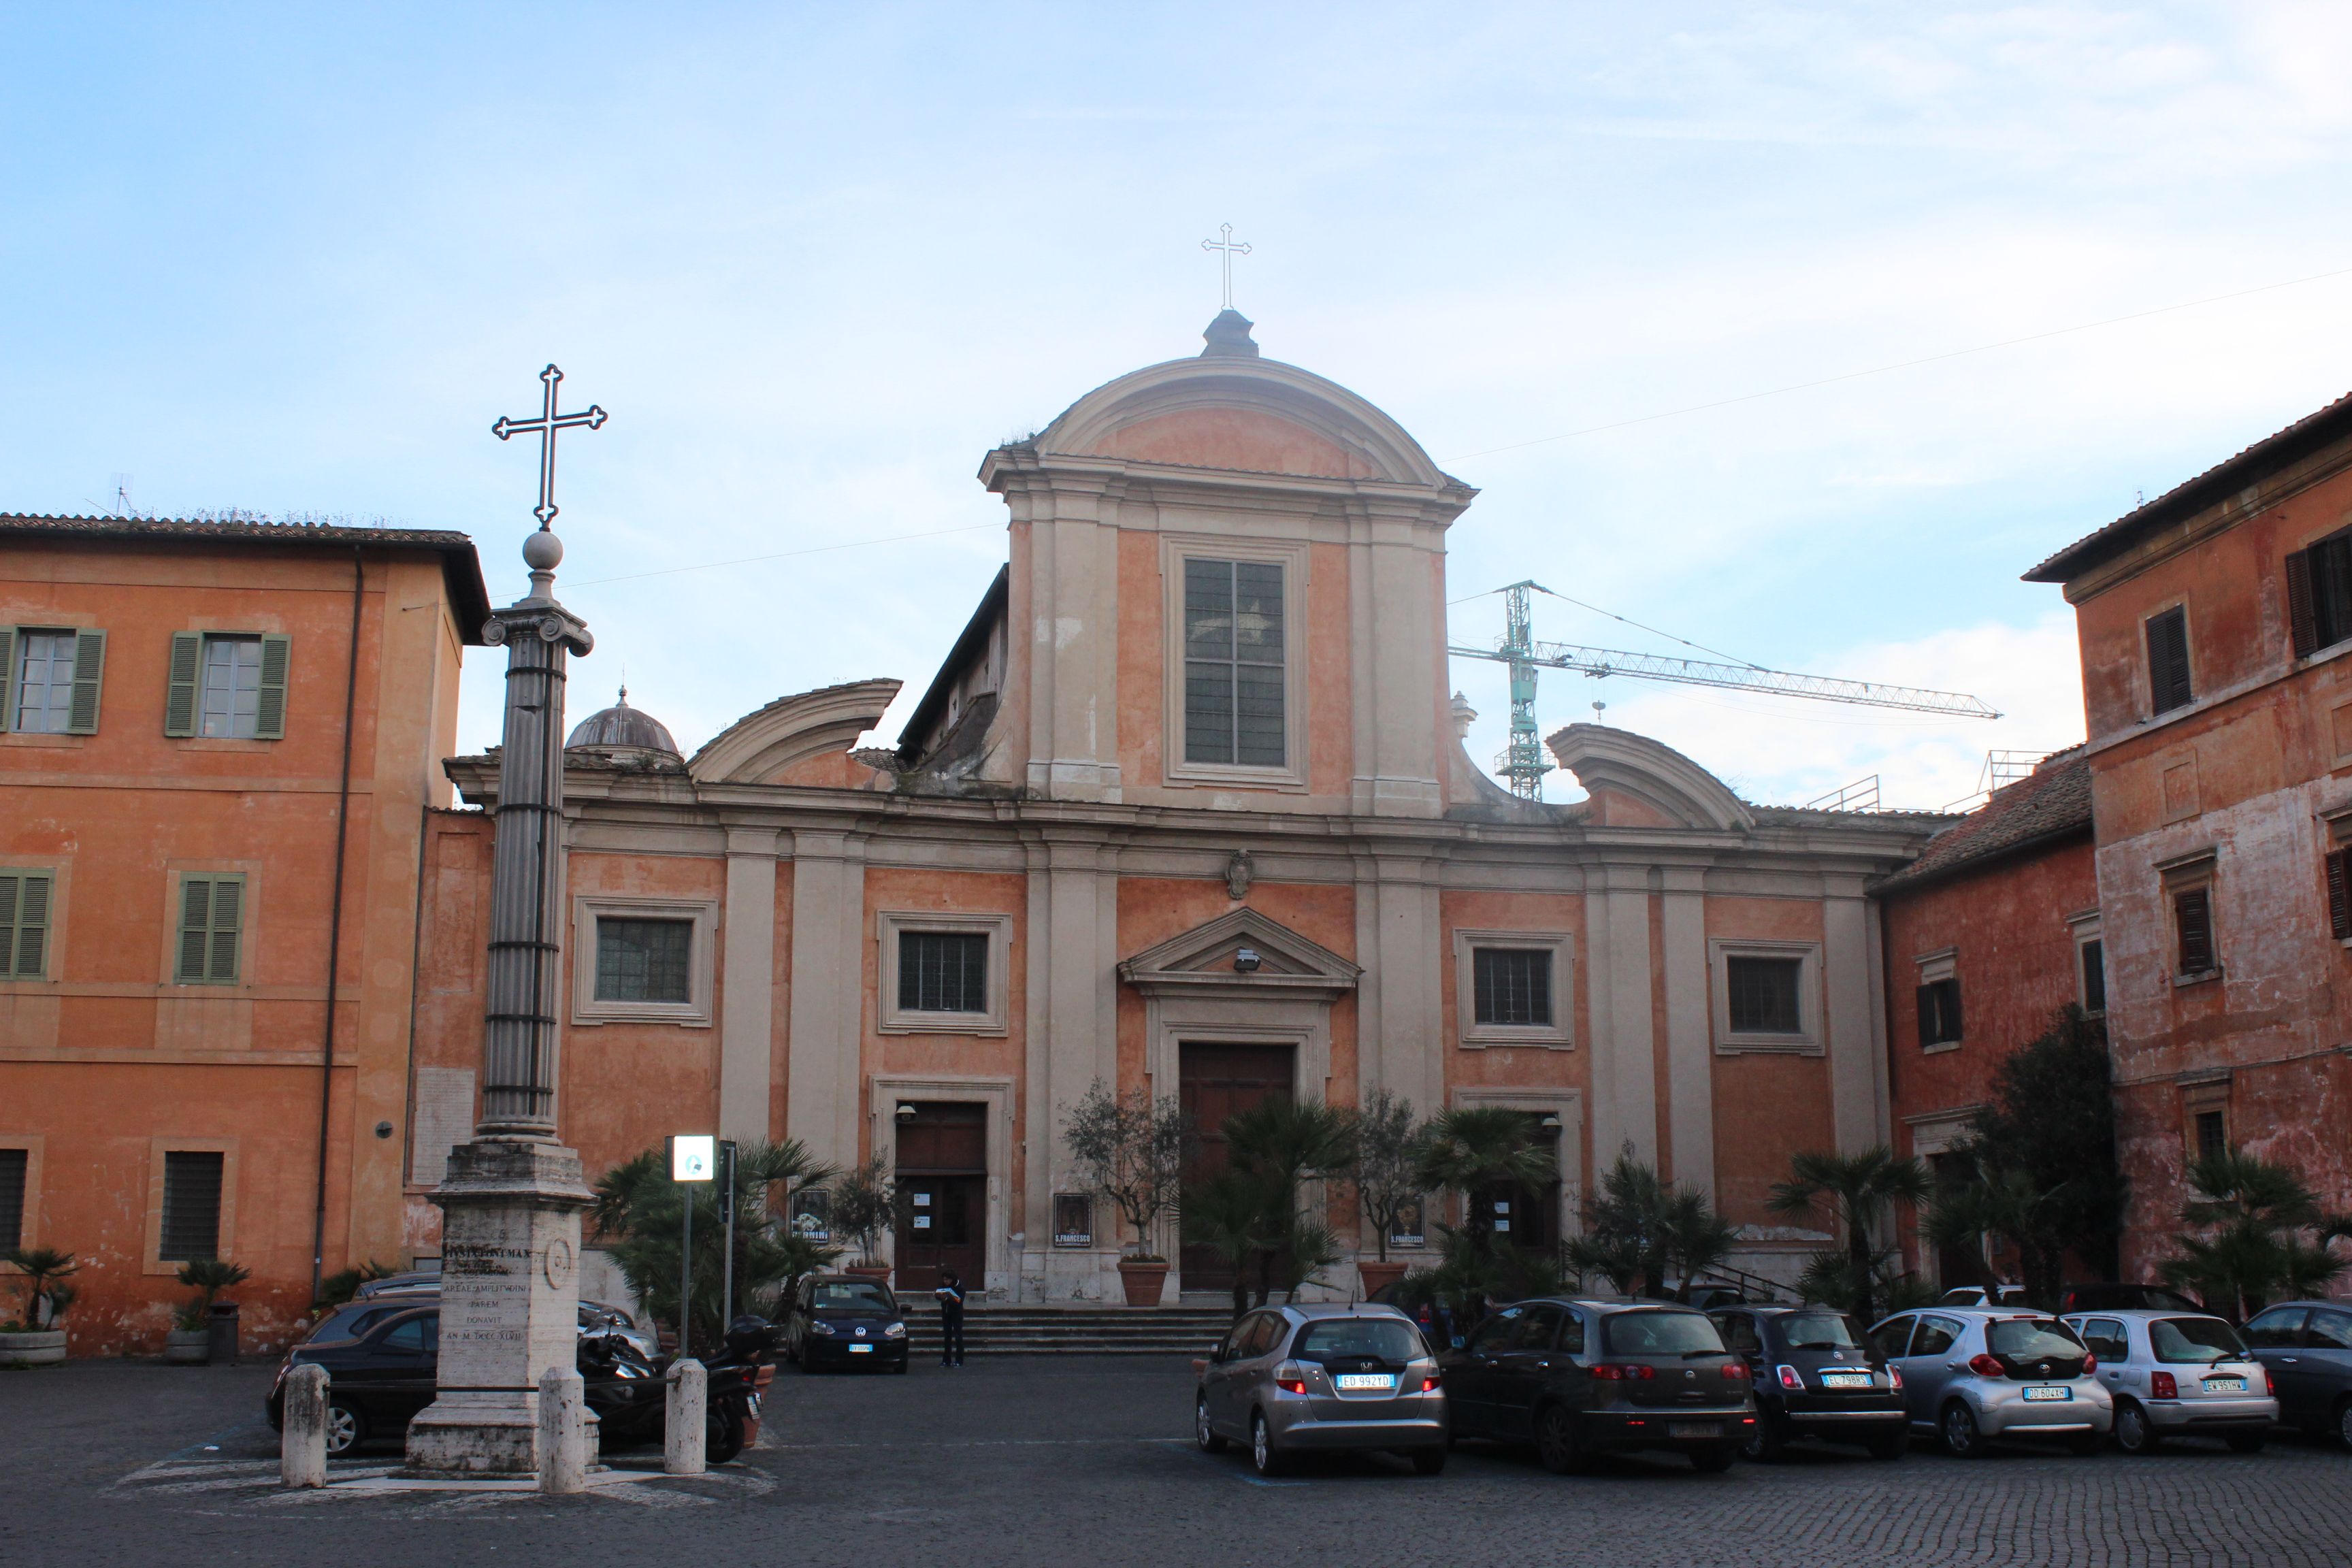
x=192 y=1204
x=24 y=899
x=1763 y=996
x=211 y=922
x=1510 y=986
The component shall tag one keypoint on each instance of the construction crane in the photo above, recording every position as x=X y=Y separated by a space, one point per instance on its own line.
x=1522 y=763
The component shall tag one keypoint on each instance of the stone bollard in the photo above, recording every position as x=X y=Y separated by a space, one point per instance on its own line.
x=562 y=1431
x=302 y=1447
x=682 y=1421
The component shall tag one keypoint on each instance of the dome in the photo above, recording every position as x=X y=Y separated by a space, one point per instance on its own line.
x=622 y=731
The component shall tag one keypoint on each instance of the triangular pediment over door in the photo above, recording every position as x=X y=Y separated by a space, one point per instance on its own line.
x=1201 y=962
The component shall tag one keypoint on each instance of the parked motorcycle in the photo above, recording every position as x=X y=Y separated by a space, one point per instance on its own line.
x=629 y=1392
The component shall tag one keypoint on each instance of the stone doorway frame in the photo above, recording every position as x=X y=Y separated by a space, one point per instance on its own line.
x=884 y=1092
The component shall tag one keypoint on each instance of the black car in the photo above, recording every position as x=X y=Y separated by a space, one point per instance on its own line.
x=1815 y=1374
x=845 y=1320
x=2307 y=1348
x=1580 y=1377
x=382 y=1359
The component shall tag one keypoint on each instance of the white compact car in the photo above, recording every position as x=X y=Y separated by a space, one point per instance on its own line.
x=2178 y=1374
x=1971 y=1374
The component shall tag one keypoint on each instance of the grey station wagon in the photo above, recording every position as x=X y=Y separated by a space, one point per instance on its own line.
x=1290 y=1380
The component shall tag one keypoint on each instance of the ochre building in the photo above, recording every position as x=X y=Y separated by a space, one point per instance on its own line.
x=1186 y=810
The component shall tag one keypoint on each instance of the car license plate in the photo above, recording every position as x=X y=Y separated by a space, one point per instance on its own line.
x=2047 y=1396
x=1349 y=1382
x=1846 y=1380
x=1699 y=1429
x=861 y=1350
x=2225 y=1386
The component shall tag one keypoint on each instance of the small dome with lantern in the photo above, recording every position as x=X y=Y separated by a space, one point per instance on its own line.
x=622 y=734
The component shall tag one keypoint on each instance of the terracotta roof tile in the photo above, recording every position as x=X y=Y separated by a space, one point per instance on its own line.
x=2051 y=802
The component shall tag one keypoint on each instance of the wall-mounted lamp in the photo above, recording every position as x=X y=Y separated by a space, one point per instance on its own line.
x=1247 y=961
x=906 y=1112
x=1549 y=1124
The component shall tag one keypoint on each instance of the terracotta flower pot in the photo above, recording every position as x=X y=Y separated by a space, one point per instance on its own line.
x=1377 y=1275
x=35 y=1347
x=1142 y=1280
x=188 y=1347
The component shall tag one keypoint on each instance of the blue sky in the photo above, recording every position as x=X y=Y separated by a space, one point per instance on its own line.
x=816 y=260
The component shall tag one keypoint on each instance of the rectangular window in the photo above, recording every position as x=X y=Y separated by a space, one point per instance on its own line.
x=14 y=1163
x=50 y=681
x=2192 y=921
x=2168 y=661
x=943 y=972
x=643 y=960
x=230 y=704
x=212 y=920
x=1764 y=994
x=1939 y=1013
x=2319 y=594
x=2212 y=1134
x=192 y=1204
x=228 y=686
x=2339 y=895
x=2095 y=978
x=1233 y=663
x=1512 y=985
x=24 y=898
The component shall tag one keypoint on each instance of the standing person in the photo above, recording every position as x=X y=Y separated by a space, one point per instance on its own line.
x=949 y=1295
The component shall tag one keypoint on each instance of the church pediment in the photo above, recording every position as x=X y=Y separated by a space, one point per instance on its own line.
x=1212 y=956
x=763 y=746
x=1635 y=782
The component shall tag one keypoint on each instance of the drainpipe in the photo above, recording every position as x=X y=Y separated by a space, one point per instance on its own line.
x=335 y=934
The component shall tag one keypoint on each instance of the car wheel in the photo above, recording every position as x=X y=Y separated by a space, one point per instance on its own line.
x=1894 y=1445
x=1556 y=1441
x=1766 y=1442
x=1264 y=1457
x=2135 y=1433
x=1713 y=1461
x=346 y=1428
x=2248 y=1442
x=1202 y=1433
x=1429 y=1461
x=1962 y=1439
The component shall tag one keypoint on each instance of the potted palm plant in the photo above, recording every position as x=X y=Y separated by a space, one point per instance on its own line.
x=864 y=1204
x=1131 y=1148
x=37 y=1337
x=190 y=1341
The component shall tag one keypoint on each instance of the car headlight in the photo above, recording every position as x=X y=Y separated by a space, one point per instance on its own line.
x=824 y=1329
x=895 y=1332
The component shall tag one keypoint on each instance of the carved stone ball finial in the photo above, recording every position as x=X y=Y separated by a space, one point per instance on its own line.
x=1238 y=871
x=543 y=552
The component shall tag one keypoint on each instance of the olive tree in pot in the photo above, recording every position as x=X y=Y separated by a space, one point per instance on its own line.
x=190 y=1341
x=1130 y=1149
x=864 y=1203
x=36 y=1336
x=1388 y=1151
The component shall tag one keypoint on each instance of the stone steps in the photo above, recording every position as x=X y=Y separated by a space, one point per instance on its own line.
x=1075 y=1330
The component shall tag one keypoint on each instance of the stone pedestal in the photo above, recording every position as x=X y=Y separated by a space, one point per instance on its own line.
x=509 y=1303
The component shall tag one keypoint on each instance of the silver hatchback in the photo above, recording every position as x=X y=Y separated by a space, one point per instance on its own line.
x=2178 y=1374
x=1974 y=1374
x=1295 y=1379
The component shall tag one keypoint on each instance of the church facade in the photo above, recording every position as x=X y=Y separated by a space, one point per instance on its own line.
x=1186 y=810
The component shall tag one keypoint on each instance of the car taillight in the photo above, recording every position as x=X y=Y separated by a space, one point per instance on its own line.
x=1985 y=1365
x=1894 y=1376
x=1614 y=1371
x=1291 y=1385
x=2090 y=1364
x=2163 y=1385
x=1429 y=1384
x=2269 y=1389
x=1735 y=1369
x=1792 y=1378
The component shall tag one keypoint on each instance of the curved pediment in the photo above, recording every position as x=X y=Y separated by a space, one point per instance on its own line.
x=1204 y=957
x=1256 y=416
x=762 y=747
x=1658 y=785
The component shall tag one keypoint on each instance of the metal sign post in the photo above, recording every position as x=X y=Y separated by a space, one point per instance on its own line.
x=693 y=1157
x=727 y=1215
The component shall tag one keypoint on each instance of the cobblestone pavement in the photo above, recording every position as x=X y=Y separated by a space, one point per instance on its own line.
x=1058 y=1460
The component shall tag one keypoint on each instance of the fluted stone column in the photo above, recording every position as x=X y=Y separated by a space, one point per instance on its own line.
x=512 y=1199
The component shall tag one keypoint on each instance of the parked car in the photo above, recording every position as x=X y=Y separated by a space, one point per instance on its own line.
x=1972 y=1374
x=377 y=1297
x=2306 y=1347
x=1581 y=1378
x=2178 y=1374
x=1984 y=1296
x=2116 y=1298
x=845 y=1320
x=1322 y=1378
x=1814 y=1374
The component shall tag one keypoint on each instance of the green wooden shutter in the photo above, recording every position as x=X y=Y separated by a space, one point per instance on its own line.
x=179 y=695
x=11 y=886
x=90 y=670
x=195 y=926
x=32 y=928
x=276 y=653
x=7 y=678
x=228 y=913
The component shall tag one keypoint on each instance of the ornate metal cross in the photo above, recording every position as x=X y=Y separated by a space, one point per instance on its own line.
x=547 y=425
x=1231 y=250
